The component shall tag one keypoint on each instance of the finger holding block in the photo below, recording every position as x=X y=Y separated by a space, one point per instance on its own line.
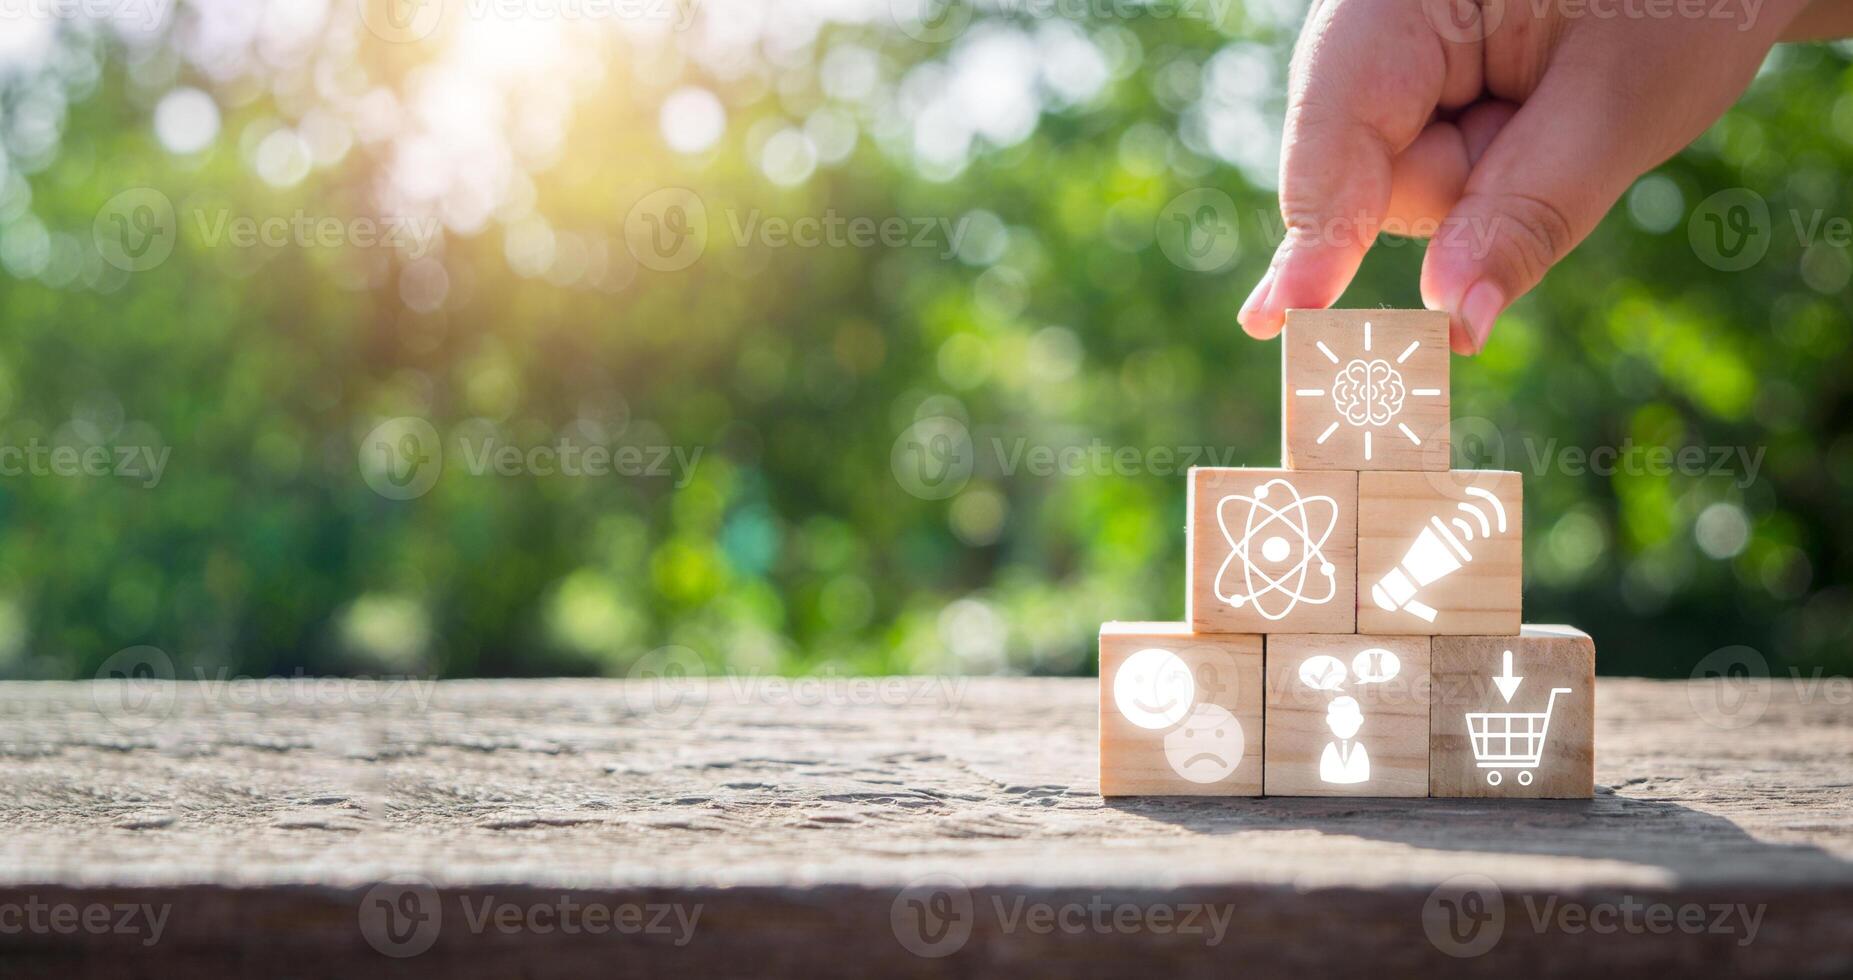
x=1365 y=390
x=1440 y=553
x=1514 y=716
x=1180 y=712
x=1272 y=551
x=1347 y=715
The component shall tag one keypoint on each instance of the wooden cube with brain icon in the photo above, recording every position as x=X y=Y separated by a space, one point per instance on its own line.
x=1180 y=711
x=1272 y=551
x=1365 y=390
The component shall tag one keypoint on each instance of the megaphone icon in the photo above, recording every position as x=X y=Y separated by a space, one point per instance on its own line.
x=1438 y=551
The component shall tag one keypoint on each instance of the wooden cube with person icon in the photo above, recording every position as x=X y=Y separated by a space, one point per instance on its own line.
x=1346 y=715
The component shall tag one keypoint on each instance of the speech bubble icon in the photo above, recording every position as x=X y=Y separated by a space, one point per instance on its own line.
x=1323 y=673
x=1376 y=665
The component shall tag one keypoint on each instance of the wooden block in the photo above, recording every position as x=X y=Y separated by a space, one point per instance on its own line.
x=1440 y=553
x=1365 y=390
x=1347 y=715
x=1272 y=551
x=1180 y=712
x=1553 y=695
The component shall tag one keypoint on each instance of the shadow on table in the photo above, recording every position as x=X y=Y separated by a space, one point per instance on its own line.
x=1693 y=845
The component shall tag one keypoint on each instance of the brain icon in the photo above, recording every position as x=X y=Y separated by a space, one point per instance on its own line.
x=1368 y=392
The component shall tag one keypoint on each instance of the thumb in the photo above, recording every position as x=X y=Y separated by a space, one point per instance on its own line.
x=1344 y=129
x=1542 y=185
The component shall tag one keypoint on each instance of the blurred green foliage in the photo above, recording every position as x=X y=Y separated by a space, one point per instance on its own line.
x=791 y=545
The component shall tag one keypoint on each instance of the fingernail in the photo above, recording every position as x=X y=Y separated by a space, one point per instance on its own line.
x=1479 y=308
x=1256 y=300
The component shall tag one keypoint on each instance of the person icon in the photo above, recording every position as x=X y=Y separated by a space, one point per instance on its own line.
x=1344 y=760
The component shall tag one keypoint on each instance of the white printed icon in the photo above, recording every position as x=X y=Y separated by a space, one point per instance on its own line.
x=1345 y=760
x=1368 y=393
x=1207 y=747
x=1510 y=739
x=1154 y=689
x=1439 y=550
x=1277 y=550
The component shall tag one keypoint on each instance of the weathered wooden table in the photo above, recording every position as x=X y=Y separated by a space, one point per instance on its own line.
x=908 y=826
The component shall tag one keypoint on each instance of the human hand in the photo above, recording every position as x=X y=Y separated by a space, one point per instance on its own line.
x=1506 y=127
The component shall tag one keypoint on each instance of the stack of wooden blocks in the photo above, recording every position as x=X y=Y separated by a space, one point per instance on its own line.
x=1353 y=620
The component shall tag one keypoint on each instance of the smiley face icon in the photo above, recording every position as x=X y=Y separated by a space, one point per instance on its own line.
x=1207 y=747
x=1154 y=688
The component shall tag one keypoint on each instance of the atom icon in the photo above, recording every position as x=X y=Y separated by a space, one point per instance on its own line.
x=1368 y=392
x=1290 y=540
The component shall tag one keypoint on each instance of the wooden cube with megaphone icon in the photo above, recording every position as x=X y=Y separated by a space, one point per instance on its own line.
x=1440 y=553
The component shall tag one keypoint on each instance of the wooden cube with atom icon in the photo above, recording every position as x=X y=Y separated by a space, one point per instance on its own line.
x=1365 y=390
x=1272 y=551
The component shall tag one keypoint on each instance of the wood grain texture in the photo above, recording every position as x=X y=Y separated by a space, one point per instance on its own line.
x=1296 y=570
x=1184 y=716
x=797 y=817
x=1398 y=512
x=1547 y=657
x=1365 y=390
x=1381 y=725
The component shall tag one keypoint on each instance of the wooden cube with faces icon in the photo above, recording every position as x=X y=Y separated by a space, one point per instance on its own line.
x=1180 y=712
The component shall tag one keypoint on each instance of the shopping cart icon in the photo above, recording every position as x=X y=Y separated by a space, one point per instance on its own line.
x=1510 y=739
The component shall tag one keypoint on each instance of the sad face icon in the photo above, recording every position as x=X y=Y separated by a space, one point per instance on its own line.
x=1207 y=747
